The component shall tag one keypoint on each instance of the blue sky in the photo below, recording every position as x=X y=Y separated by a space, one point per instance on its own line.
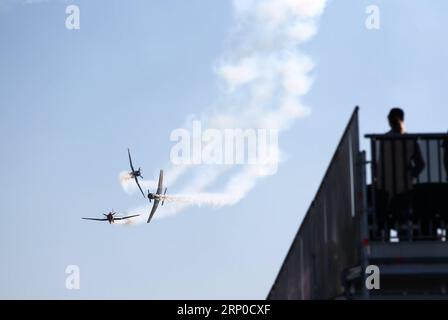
x=71 y=102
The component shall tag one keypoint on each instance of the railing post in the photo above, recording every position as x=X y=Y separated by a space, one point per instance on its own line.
x=364 y=225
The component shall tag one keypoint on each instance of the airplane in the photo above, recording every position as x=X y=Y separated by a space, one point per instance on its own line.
x=111 y=217
x=157 y=197
x=135 y=173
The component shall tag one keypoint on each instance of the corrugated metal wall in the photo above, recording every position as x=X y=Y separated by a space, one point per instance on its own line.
x=328 y=240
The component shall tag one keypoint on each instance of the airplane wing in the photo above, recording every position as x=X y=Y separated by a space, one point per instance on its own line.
x=160 y=187
x=95 y=219
x=127 y=217
x=130 y=160
x=138 y=184
x=153 y=210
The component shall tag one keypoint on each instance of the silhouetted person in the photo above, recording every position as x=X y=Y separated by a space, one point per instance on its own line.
x=402 y=158
x=399 y=163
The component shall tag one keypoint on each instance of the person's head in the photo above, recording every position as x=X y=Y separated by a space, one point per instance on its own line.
x=396 y=120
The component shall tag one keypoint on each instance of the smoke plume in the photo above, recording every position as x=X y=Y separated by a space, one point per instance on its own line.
x=264 y=74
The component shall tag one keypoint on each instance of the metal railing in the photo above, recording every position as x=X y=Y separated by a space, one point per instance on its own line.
x=327 y=241
x=409 y=191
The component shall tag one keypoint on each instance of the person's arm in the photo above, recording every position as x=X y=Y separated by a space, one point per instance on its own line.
x=418 y=162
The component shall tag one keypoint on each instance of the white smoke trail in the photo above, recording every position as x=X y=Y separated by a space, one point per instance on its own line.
x=235 y=190
x=132 y=221
x=264 y=75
